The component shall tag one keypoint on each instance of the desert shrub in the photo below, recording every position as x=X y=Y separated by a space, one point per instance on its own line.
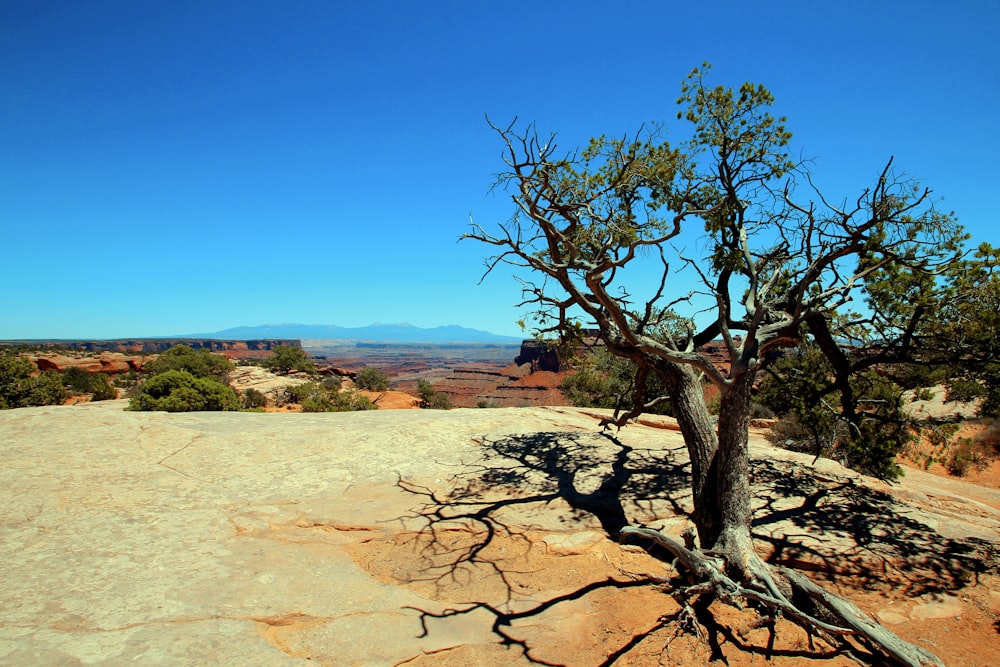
x=965 y=456
x=431 y=398
x=487 y=403
x=101 y=388
x=181 y=391
x=315 y=397
x=77 y=379
x=285 y=358
x=300 y=392
x=332 y=382
x=199 y=363
x=372 y=379
x=15 y=374
x=253 y=398
x=989 y=439
x=45 y=389
x=98 y=385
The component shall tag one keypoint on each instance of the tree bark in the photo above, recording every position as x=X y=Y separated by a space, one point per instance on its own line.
x=733 y=476
x=719 y=460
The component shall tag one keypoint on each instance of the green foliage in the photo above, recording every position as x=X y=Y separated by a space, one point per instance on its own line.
x=253 y=399
x=432 y=399
x=77 y=379
x=199 y=363
x=20 y=388
x=285 y=358
x=45 y=389
x=372 y=379
x=182 y=391
x=101 y=388
x=97 y=384
x=316 y=397
x=15 y=374
x=603 y=380
x=799 y=389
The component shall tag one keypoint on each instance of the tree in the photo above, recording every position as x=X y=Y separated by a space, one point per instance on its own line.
x=199 y=363
x=181 y=391
x=779 y=264
x=372 y=379
x=965 y=325
x=20 y=387
x=801 y=388
x=324 y=397
x=431 y=398
x=285 y=358
x=15 y=373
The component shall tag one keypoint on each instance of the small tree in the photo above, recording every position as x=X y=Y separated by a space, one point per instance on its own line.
x=181 y=391
x=431 y=398
x=324 y=397
x=15 y=376
x=253 y=399
x=285 y=358
x=778 y=265
x=101 y=388
x=199 y=363
x=372 y=379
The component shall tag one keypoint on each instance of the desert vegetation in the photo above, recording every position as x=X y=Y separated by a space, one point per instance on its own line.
x=431 y=398
x=743 y=247
x=187 y=380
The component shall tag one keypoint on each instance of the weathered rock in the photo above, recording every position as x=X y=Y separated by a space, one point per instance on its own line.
x=540 y=356
x=112 y=363
x=288 y=539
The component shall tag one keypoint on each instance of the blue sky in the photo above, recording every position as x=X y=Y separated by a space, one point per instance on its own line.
x=189 y=166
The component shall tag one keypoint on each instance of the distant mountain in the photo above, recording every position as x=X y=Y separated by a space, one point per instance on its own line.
x=374 y=333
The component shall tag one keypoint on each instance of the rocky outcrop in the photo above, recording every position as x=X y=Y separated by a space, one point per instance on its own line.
x=112 y=363
x=514 y=386
x=135 y=538
x=540 y=356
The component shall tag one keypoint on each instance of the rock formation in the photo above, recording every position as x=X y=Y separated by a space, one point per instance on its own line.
x=112 y=363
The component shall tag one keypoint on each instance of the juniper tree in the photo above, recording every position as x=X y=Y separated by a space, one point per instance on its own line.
x=746 y=251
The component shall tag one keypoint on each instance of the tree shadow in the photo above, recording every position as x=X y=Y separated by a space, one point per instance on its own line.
x=845 y=530
x=836 y=525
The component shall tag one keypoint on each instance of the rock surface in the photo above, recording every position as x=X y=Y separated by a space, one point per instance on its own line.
x=462 y=537
x=112 y=363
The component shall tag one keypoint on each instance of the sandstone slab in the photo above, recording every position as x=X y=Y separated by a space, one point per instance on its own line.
x=358 y=538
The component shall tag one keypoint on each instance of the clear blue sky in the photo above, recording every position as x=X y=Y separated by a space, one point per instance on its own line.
x=188 y=166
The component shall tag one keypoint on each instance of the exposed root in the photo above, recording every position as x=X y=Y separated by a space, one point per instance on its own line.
x=773 y=589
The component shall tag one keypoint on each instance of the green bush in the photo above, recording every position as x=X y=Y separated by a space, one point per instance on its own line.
x=101 y=388
x=253 y=398
x=315 y=397
x=431 y=398
x=98 y=385
x=285 y=358
x=77 y=379
x=372 y=379
x=15 y=375
x=181 y=391
x=46 y=389
x=199 y=363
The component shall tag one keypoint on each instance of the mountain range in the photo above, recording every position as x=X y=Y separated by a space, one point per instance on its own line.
x=374 y=333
